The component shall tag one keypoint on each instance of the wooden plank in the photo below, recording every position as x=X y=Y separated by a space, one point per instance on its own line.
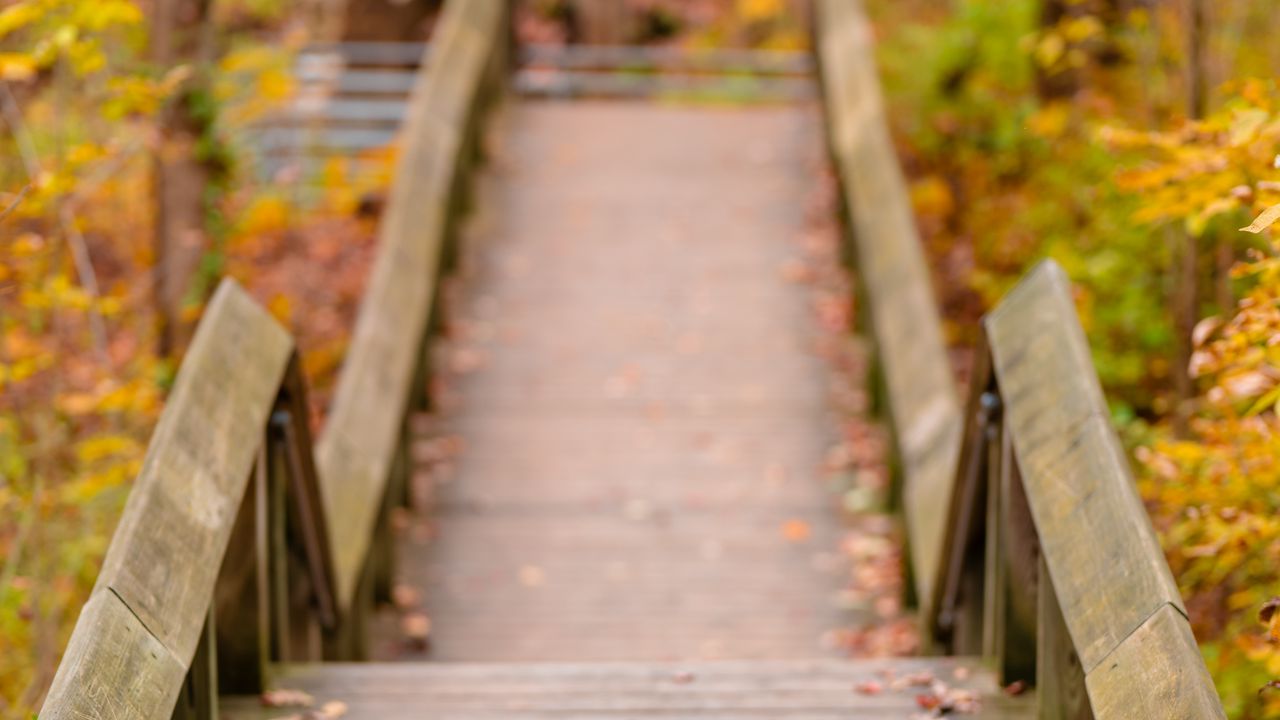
x=376 y=82
x=280 y=139
x=113 y=667
x=152 y=599
x=1094 y=532
x=729 y=689
x=924 y=409
x=371 y=53
x=632 y=57
x=166 y=551
x=357 y=448
x=572 y=84
x=1156 y=673
x=350 y=111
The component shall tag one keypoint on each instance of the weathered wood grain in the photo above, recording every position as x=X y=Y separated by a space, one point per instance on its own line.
x=358 y=447
x=1117 y=598
x=1094 y=532
x=924 y=409
x=114 y=667
x=151 y=606
x=1156 y=673
x=166 y=551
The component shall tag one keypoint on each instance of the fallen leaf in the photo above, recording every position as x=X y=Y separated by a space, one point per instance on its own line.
x=416 y=627
x=796 y=531
x=1017 y=687
x=531 y=576
x=283 y=697
x=332 y=709
x=869 y=687
x=928 y=702
x=405 y=596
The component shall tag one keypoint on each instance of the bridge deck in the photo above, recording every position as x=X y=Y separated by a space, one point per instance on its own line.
x=641 y=409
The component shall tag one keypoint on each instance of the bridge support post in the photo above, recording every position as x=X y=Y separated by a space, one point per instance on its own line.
x=1060 y=688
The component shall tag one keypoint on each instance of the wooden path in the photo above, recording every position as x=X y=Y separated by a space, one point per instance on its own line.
x=619 y=510
x=645 y=413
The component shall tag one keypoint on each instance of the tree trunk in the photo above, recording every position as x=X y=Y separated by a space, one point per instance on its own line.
x=1197 y=66
x=181 y=36
x=599 y=22
x=388 y=20
x=1056 y=83
x=1186 y=298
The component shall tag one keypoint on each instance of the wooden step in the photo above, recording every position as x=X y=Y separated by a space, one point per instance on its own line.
x=791 y=689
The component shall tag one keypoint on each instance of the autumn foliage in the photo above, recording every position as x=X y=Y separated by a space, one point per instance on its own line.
x=1132 y=142
x=1075 y=129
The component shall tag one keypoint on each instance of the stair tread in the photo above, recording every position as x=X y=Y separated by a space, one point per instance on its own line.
x=793 y=689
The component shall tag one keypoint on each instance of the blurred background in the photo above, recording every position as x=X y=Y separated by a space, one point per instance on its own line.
x=151 y=147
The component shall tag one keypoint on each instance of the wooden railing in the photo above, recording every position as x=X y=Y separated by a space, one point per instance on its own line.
x=1028 y=542
x=897 y=298
x=236 y=548
x=1052 y=568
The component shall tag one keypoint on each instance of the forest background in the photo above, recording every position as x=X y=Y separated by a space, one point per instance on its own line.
x=1132 y=140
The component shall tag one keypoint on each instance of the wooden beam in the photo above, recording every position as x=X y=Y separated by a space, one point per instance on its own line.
x=357 y=451
x=1152 y=673
x=1112 y=583
x=923 y=403
x=114 y=667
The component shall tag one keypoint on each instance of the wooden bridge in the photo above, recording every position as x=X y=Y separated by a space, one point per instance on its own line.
x=608 y=547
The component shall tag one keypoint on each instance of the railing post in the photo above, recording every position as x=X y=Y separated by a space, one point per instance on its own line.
x=198 y=699
x=1012 y=564
x=382 y=551
x=241 y=595
x=1060 y=688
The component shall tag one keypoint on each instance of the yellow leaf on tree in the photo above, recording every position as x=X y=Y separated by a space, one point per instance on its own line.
x=279 y=307
x=104 y=446
x=17 y=68
x=1263 y=221
x=757 y=10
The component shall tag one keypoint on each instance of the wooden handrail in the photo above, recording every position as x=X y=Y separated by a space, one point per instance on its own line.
x=358 y=450
x=137 y=636
x=893 y=280
x=1028 y=542
x=238 y=546
x=1054 y=562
